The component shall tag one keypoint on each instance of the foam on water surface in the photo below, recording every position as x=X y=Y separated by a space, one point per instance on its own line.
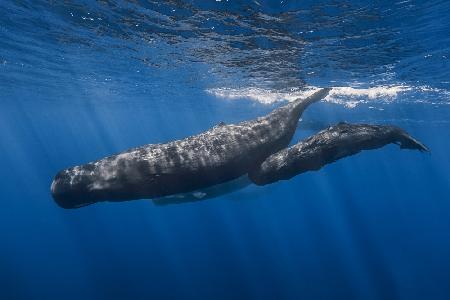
x=347 y=96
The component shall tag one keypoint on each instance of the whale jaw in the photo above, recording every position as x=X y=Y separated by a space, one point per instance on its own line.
x=69 y=195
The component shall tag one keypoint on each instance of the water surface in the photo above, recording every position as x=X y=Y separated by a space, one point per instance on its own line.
x=80 y=80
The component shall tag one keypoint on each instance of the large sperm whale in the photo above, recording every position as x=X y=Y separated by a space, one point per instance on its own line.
x=218 y=155
x=221 y=160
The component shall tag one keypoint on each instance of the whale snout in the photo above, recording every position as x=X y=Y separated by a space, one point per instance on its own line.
x=70 y=192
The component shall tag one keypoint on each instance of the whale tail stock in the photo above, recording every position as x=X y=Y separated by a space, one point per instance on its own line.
x=319 y=95
x=295 y=109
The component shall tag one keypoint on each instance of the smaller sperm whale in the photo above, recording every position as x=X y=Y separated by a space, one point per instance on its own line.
x=328 y=146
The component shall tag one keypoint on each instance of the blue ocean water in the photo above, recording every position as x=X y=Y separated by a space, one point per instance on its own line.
x=80 y=80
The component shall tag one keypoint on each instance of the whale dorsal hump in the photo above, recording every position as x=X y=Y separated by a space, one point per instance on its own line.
x=220 y=124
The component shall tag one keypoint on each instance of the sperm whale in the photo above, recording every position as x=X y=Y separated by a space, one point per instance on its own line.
x=328 y=146
x=223 y=153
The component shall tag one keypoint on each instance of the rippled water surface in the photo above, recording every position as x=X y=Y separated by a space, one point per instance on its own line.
x=80 y=80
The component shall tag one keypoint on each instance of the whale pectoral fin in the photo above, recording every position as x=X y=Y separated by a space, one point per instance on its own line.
x=330 y=145
x=181 y=198
x=214 y=191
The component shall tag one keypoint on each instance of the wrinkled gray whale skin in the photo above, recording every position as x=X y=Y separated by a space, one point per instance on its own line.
x=328 y=146
x=223 y=153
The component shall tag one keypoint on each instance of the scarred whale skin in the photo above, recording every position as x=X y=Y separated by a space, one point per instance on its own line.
x=223 y=153
x=328 y=146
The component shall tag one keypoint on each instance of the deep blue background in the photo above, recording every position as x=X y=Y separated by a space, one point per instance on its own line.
x=372 y=226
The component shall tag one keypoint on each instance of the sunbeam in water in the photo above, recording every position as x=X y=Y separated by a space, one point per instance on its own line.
x=83 y=80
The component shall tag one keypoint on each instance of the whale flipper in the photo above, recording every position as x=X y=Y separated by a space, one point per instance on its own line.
x=328 y=146
x=207 y=193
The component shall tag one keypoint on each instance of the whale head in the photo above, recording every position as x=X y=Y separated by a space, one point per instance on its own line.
x=70 y=188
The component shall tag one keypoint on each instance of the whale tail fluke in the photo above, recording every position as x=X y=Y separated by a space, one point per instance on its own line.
x=297 y=107
x=317 y=96
x=408 y=142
